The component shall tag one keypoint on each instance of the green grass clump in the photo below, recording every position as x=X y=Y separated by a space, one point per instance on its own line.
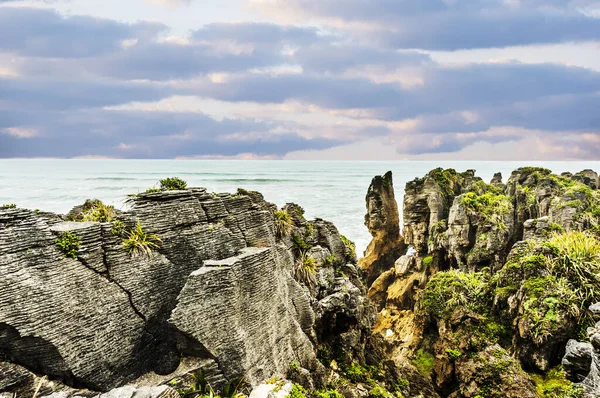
x=577 y=258
x=297 y=391
x=453 y=355
x=554 y=384
x=356 y=373
x=549 y=301
x=99 y=213
x=93 y=210
x=9 y=206
x=69 y=244
x=173 y=184
x=139 y=241
x=283 y=223
x=299 y=243
x=379 y=392
x=330 y=260
x=118 y=227
x=331 y=393
x=491 y=206
x=349 y=244
x=448 y=290
x=153 y=190
x=305 y=269
x=427 y=261
x=424 y=361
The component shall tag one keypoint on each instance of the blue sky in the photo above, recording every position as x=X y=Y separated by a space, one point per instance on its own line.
x=300 y=79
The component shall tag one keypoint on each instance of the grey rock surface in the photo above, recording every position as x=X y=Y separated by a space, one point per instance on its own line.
x=220 y=288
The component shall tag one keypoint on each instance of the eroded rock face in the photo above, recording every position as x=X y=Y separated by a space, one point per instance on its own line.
x=490 y=265
x=383 y=221
x=221 y=287
x=581 y=361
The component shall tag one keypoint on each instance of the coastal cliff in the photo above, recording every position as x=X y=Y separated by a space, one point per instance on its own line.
x=496 y=280
x=489 y=290
x=229 y=286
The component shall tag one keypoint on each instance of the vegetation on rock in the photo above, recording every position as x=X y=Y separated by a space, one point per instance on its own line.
x=69 y=244
x=283 y=223
x=93 y=210
x=305 y=269
x=173 y=184
x=138 y=241
x=9 y=206
x=553 y=384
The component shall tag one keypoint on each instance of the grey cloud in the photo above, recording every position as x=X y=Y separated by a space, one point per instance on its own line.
x=148 y=135
x=45 y=33
x=340 y=57
x=445 y=89
x=164 y=61
x=65 y=94
x=258 y=33
x=462 y=24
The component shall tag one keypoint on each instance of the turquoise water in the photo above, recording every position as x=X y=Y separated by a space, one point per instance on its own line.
x=333 y=190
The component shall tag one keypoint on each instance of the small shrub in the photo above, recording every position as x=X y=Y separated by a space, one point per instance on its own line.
x=427 y=261
x=283 y=223
x=100 y=213
x=424 y=362
x=492 y=207
x=233 y=389
x=69 y=244
x=349 y=244
x=554 y=384
x=297 y=391
x=153 y=190
x=330 y=260
x=242 y=192
x=118 y=227
x=328 y=394
x=379 y=392
x=305 y=269
x=138 y=241
x=356 y=373
x=448 y=290
x=173 y=184
x=577 y=258
x=453 y=355
x=299 y=244
x=9 y=206
x=93 y=210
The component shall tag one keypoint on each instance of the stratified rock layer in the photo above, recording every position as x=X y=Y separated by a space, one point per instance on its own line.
x=221 y=287
x=512 y=264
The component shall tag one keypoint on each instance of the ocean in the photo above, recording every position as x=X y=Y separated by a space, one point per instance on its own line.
x=332 y=190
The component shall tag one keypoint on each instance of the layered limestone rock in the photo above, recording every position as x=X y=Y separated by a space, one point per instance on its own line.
x=79 y=311
x=492 y=264
x=581 y=361
x=382 y=220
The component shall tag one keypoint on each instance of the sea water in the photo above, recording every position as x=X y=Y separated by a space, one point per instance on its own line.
x=332 y=190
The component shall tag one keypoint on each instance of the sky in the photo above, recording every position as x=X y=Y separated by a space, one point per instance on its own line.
x=300 y=79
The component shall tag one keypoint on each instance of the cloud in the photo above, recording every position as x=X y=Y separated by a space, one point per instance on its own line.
x=45 y=33
x=266 y=34
x=83 y=86
x=69 y=94
x=149 y=135
x=447 y=25
x=444 y=89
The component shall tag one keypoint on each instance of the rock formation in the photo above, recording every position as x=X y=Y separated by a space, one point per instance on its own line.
x=484 y=294
x=382 y=220
x=77 y=311
x=581 y=361
x=496 y=279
